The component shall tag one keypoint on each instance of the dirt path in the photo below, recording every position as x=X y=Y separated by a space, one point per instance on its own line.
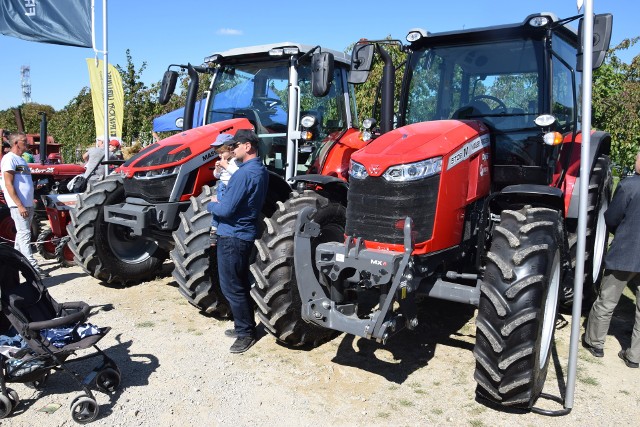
x=177 y=371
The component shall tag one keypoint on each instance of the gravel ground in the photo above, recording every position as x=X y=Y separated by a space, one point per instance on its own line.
x=177 y=371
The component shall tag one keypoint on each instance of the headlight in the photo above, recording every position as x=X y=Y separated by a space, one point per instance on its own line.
x=158 y=173
x=164 y=156
x=357 y=171
x=414 y=171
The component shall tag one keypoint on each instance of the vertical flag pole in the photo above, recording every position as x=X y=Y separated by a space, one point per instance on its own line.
x=105 y=78
x=587 y=72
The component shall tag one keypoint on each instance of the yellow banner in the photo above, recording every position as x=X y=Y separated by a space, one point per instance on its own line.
x=115 y=98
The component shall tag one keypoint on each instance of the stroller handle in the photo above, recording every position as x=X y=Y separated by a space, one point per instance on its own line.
x=80 y=311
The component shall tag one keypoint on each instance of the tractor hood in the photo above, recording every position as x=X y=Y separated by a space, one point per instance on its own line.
x=182 y=147
x=416 y=142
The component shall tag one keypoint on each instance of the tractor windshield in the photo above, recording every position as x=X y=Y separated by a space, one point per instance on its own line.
x=497 y=83
x=260 y=92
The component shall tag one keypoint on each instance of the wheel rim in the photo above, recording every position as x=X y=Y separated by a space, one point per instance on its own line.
x=550 y=307
x=600 y=240
x=108 y=380
x=127 y=247
x=84 y=409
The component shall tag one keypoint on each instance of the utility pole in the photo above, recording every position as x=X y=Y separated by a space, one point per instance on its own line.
x=25 y=74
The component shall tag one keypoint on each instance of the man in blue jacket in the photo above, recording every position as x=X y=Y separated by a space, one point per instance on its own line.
x=622 y=266
x=238 y=213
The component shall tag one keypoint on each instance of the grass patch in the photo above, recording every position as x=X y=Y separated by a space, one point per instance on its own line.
x=476 y=423
x=625 y=392
x=419 y=391
x=415 y=384
x=437 y=411
x=393 y=387
x=589 y=381
x=383 y=415
x=146 y=324
x=405 y=402
x=436 y=383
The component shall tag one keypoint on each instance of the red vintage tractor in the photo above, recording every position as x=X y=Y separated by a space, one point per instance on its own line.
x=472 y=198
x=50 y=176
x=297 y=99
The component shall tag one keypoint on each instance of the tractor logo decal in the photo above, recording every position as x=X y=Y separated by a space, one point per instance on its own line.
x=45 y=170
x=374 y=169
x=208 y=156
x=377 y=262
x=468 y=150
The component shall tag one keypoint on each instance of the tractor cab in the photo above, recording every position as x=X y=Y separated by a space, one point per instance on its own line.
x=295 y=97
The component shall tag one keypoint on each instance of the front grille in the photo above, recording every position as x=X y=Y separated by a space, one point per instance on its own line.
x=377 y=207
x=157 y=189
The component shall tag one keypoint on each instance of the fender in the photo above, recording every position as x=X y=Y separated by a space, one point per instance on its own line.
x=330 y=186
x=278 y=191
x=534 y=194
x=600 y=143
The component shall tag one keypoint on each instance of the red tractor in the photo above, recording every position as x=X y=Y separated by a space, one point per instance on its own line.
x=297 y=99
x=50 y=176
x=472 y=198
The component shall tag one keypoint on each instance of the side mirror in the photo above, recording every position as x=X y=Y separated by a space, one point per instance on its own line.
x=602 y=25
x=321 y=73
x=167 y=86
x=361 y=60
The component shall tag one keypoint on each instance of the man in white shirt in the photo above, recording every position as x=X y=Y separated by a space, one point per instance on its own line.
x=17 y=187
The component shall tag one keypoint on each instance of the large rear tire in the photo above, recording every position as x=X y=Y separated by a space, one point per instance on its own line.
x=276 y=290
x=599 y=196
x=107 y=251
x=195 y=261
x=518 y=307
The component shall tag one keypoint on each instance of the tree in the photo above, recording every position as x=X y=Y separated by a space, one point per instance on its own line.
x=616 y=104
x=368 y=93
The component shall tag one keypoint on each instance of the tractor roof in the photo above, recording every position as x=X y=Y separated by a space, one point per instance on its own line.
x=261 y=52
x=497 y=32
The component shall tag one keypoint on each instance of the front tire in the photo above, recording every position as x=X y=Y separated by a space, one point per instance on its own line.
x=276 y=290
x=518 y=307
x=195 y=261
x=46 y=244
x=108 y=251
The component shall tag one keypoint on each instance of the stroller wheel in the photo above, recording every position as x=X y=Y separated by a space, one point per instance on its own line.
x=108 y=380
x=39 y=383
x=5 y=406
x=84 y=409
x=13 y=397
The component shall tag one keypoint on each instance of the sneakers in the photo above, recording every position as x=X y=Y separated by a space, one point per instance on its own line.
x=231 y=333
x=41 y=272
x=623 y=355
x=242 y=344
x=595 y=351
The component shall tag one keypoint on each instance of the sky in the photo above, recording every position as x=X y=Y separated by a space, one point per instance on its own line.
x=160 y=33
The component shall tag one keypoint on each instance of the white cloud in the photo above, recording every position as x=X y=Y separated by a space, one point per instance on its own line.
x=229 y=32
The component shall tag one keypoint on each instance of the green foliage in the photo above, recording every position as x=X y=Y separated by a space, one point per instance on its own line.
x=616 y=104
x=73 y=126
x=367 y=93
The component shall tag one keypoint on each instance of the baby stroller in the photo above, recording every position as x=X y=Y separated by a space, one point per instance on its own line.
x=50 y=334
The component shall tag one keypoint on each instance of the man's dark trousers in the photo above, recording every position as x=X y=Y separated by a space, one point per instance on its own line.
x=233 y=270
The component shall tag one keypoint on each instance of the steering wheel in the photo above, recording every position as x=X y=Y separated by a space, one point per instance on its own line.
x=268 y=102
x=501 y=105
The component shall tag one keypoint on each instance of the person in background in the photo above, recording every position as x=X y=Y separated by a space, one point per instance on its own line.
x=225 y=167
x=238 y=212
x=622 y=265
x=92 y=159
x=114 y=150
x=28 y=156
x=6 y=147
x=17 y=187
